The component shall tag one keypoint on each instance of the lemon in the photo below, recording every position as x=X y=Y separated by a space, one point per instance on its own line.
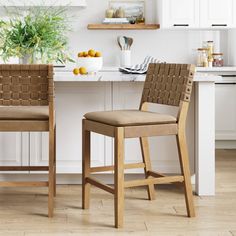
x=91 y=53
x=82 y=71
x=76 y=71
x=85 y=54
x=80 y=54
x=98 y=54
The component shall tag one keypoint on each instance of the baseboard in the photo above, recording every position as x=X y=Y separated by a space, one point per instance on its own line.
x=69 y=178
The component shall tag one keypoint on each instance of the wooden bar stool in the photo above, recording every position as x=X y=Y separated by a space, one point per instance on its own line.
x=168 y=84
x=27 y=105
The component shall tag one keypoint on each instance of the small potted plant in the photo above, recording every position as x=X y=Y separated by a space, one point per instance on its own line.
x=37 y=37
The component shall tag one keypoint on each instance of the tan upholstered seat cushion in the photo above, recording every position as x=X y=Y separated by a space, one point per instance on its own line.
x=129 y=117
x=24 y=113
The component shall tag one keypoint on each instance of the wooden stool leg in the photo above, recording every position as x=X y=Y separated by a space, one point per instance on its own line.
x=51 y=176
x=119 y=177
x=55 y=163
x=146 y=160
x=184 y=162
x=86 y=167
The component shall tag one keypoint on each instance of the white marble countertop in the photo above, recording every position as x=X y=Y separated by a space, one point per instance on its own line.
x=112 y=74
x=198 y=69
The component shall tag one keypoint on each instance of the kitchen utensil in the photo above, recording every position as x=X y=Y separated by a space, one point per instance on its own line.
x=122 y=42
x=130 y=42
x=118 y=41
x=126 y=42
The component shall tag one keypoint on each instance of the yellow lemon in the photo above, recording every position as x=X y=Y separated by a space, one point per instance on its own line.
x=98 y=54
x=80 y=54
x=85 y=54
x=82 y=71
x=76 y=71
x=91 y=53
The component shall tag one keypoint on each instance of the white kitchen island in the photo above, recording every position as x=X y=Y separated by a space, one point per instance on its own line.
x=111 y=90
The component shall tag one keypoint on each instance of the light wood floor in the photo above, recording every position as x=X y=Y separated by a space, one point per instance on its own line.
x=23 y=211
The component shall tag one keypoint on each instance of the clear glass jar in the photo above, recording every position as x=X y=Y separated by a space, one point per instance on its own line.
x=202 y=57
x=218 y=60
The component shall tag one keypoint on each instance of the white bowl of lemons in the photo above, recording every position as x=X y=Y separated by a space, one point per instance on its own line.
x=88 y=62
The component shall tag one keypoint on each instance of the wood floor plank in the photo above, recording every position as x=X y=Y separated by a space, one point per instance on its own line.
x=23 y=211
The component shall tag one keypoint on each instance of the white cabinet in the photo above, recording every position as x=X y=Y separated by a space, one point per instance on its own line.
x=196 y=14
x=225 y=111
x=14 y=149
x=216 y=13
x=178 y=13
x=72 y=102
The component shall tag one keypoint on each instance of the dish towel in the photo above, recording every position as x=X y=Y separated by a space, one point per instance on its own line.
x=139 y=68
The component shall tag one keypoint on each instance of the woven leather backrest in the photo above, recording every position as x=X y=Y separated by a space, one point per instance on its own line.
x=26 y=85
x=168 y=83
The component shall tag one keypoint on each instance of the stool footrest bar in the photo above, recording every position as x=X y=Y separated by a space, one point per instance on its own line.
x=159 y=180
x=100 y=185
x=155 y=174
x=23 y=184
x=111 y=168
x=24 y=168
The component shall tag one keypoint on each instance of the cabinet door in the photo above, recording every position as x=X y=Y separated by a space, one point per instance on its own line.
x=225 y=112
x=163 y=150
x=216 y=13
x=72 y=102
x=14 y=149
x=180 y=13
x=10 y=149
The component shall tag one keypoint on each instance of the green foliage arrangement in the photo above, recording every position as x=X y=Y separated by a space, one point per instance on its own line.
x=40 y=34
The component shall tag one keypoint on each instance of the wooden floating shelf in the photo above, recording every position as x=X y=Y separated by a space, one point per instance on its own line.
x=123 y=26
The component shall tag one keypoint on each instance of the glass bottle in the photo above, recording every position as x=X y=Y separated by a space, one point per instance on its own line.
x=210 y=47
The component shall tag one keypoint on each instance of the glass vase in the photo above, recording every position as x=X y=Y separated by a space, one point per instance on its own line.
x=27 y=59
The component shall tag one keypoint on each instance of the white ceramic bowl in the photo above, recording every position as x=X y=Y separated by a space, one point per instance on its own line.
x=92 y=64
